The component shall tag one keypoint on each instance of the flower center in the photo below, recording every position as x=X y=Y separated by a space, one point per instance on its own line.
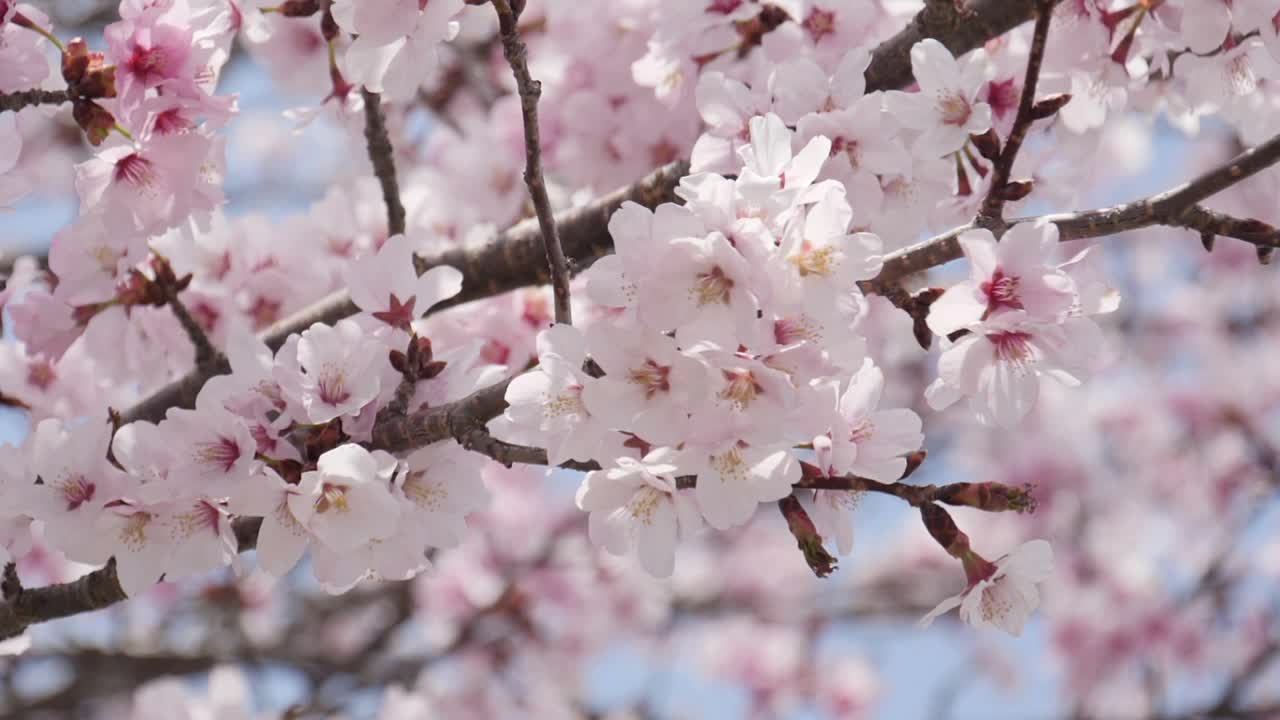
x=223 y=452
x=741 y=388
x=819 y=24
x=1002 y=291
x=821 y=261
x=332 y=497
x=1013 y=347
x=652 y=377
x=953 y=108
x=333 y=386
x=76 y=491
x=135 y=170
x=568 y=402
x=643 y=504
x=712 y=286
x=40 y=374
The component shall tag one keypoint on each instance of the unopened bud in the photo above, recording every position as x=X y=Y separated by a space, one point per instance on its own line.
x=96 y=121
x=989 y=496
x=1265 y=254
x=821 y=562
x=1207 y=239
x=75 y=61
x=988 y=144
x=1048 y=107
x=1015 y=190
x=99 y=82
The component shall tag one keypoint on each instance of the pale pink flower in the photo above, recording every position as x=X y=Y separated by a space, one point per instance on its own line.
x=734 y=478
x=702 y=290
x=545 y=406
x=635 y=507
x=171 y=538
x=614 y=280
x=865 y=440
x=1017 y=274
x=212 y=448
x=649 y=387
x=282 y=539
x=801 y=86
x=726 y=106
x=823 y=259
x=46 y=324
x=440 y=487
x=398 y=41
x=946 y=109
x=1003 y=594
x=76 y=483
x=329 y=372
x=385 y=284
x=346 y=501
x=1000 y=363
x=150 y=185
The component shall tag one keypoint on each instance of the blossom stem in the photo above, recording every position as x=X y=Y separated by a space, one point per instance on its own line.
x=993 y=204
x=384 y=164
x=530 y=90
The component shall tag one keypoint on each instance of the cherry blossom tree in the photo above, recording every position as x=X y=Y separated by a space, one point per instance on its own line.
x=692 y=330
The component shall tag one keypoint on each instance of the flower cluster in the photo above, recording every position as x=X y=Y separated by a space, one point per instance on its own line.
x=730 y=338
x=1019 y=317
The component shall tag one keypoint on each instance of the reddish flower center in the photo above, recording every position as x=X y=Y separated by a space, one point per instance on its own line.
x=723 y=7
x=1002 y=291
x=76 y=491
x=741 y=388
x=652 y=377
x=713 y=286
x=1012 y=346
x=819 y=24
x=40 y=374
x=222 y=452
x=135 y=170
x=955 y=110
x=333 y=386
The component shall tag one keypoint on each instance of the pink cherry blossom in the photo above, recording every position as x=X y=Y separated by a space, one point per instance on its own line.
x=328 y=372
x=386 y=286
x=1016 y=274
x=346 y=501
x=1003 y=594
x=946 y=109
x=635 y=507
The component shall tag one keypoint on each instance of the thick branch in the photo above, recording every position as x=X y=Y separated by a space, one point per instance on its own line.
x=959 y=30
x=1176 y=207
x=530 y=90
x=383 y=160
x=20 y=99
x=993 y=204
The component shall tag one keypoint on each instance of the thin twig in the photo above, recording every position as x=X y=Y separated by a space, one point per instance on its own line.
x=207 y=355
x=381 y=155
x=530 y=90
x=20 y=99
x=993 y=204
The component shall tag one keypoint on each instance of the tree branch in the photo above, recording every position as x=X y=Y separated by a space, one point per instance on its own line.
x=20 y=99
x=1176 y=207
x=381 y=155
x=530 y=90
x=993 y=204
